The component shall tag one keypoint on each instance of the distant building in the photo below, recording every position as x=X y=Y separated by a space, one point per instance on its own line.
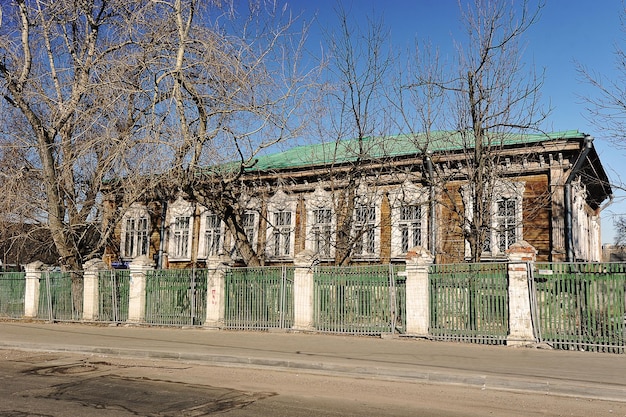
x=550 y=194
x=613 y=253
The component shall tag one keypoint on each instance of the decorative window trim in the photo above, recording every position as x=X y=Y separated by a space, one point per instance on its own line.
x=203 y=252
x=367 y=198
x=504 y=189
x=320 y=200
x=180 y=209
x=139 y=214
x=407 y=194
x=282 y=208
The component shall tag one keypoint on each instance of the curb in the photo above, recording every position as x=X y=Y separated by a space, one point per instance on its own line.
x=605 y=392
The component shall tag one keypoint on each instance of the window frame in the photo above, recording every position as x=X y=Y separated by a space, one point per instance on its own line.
x=177 y=211
x=208 y=233
x=137 y=214
x=408 y=194
x=365 y=226
x=280 y=238
x=320 y=232
x=504 y=189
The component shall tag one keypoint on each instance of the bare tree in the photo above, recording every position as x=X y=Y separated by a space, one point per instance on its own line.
x=355 y=115
x=607 y=110
x=61 y=84
x=225 y=87
x=483 y=98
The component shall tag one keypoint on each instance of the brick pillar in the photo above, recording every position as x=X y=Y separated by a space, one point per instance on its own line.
x=521 y=257
x=137 y=292
x=31 y=292
x=418 y=260
x=91 y=304
x=303 y=291
x=216 y=300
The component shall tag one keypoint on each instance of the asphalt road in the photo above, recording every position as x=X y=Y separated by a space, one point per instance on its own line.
x=40 y=384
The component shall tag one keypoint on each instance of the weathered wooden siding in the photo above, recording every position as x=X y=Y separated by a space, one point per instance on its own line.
x=537 y=203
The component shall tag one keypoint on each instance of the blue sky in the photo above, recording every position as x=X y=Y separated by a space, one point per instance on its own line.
x=568 y=31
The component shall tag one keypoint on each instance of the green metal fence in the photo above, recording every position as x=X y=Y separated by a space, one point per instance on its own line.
x=259 y=298
x=580 y=306
x=56 y=298
x=469 y=302
x=12 y=288
x=176 y=296
x=359 y=299
x=113 y=295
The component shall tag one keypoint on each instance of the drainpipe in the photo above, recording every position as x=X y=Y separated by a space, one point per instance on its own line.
x=567 y=196
x=432 y=228
x=162 y=234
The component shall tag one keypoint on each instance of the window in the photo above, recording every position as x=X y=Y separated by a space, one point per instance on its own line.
x=180 y=223
x=506 y=223
x=409 y=204
x=282 y=233
x=136 y=242
x=322 y=231
x=248 y=221
x=181 y=236
x=365 y=230
x=212 y=235
x=410 y=225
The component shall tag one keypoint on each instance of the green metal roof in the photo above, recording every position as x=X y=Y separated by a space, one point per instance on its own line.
x=391 y=146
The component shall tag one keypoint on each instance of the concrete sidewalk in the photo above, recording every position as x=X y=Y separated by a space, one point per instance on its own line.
x=581 y=374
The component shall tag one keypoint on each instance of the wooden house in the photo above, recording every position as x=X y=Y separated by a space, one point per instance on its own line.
x=396 y=193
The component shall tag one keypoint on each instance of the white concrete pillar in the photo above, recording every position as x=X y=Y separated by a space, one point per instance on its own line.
x=418 y=260
x=31 y=292
x=521 y=259
x=303 y=291
x=137 y=292
x=91 y=296
x=216 y=285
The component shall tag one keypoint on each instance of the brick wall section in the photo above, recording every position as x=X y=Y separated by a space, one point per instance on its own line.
x=385 y=230
x=300 y=232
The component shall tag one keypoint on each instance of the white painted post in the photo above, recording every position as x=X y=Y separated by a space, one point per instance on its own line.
x=303 y=291
x=216 y=285
x=521 y=258
x=31 y=292
x=137 y=292
x=418 y=260
x=91 y=303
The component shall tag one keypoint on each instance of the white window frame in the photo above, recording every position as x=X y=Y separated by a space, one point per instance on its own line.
x=504 y=189
x=282 y=233
x=366 y=243
x=211 y=236
x=280 y=238
x=366 y=197
x=408 y=195
x=250 y=229
x=180 y=240
x=505 y=224
x=138 y=237
x=320 y=233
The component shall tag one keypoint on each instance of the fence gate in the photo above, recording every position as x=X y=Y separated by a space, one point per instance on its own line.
x=259 y=298
x=359 y=299
x=469 y=302
x=176 y=296
x=56 y=297
x=580 y=305
x=113 y=295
